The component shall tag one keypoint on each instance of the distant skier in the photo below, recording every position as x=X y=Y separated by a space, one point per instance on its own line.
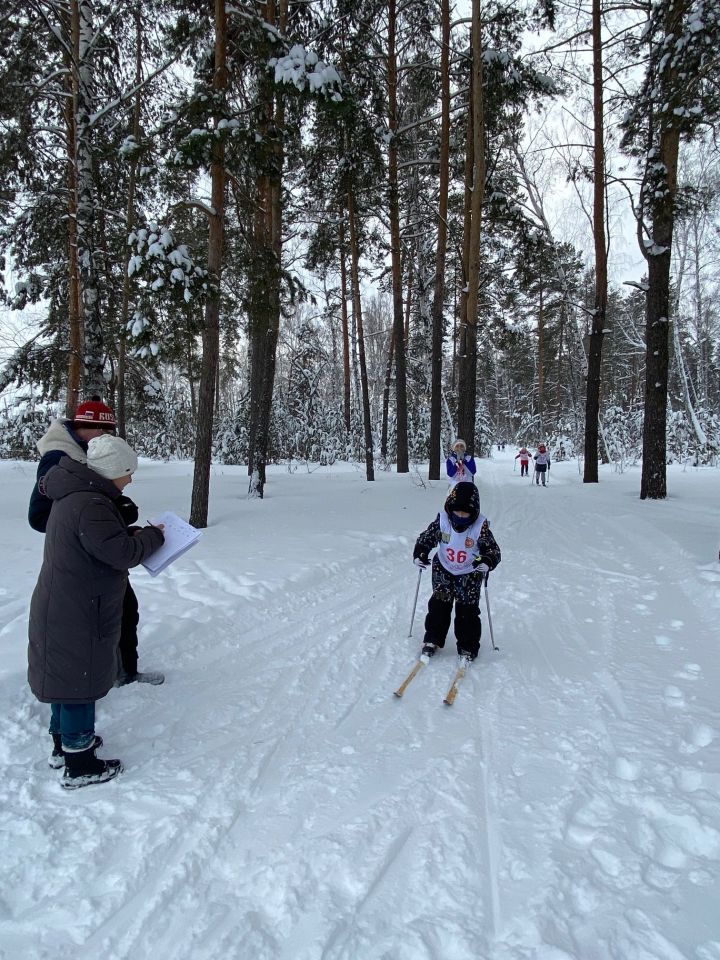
x=460 y=465
x=561 y=455
x=467 y=551
x=524 y=456
x=542 y=464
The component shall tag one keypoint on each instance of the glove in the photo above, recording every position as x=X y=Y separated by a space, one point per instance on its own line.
x=420 y=558
x=481 y=565
x=128 y=509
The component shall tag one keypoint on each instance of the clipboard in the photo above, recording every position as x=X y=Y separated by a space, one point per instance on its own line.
x=179 y=538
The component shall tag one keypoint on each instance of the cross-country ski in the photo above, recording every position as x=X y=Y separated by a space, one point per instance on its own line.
x=411 y=676
x=455 y=685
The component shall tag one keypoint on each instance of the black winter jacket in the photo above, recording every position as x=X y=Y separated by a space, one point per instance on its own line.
x=76 y=607
x=59 y=441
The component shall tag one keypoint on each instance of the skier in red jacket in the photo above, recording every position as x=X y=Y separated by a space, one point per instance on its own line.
x=524 y=456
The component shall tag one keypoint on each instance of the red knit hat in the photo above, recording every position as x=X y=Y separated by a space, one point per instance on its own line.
x=94 y=413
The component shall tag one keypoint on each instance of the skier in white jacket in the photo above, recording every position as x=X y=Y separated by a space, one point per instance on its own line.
x=542 y=464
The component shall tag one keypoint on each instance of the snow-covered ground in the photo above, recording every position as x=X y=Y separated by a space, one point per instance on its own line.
x=279 y=803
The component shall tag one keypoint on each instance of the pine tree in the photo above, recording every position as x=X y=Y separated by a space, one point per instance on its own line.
x=679 y=95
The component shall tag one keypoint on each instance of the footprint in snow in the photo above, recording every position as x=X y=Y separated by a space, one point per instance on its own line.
x=674 y=696
x=690 y=671
x=626 y=769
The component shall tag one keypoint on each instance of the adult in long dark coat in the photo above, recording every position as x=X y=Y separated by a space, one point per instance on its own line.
x=77 y=605
x=70 y=438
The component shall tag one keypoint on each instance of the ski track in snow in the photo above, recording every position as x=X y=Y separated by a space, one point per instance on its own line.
x=279 y=803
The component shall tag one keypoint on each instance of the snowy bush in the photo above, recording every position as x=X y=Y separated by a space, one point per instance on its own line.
x=682 y=441
x=21 y=426
x=622 y=431
x=231 y=438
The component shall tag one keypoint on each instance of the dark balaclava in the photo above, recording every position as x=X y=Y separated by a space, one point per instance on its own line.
x=463 y=496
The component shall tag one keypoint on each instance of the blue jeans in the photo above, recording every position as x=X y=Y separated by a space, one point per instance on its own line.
x=75 y=722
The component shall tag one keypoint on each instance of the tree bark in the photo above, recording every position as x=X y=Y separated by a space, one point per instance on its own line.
x=661 y=185
x=211 y=328
x=438 y=318
x=83 y=43
x=345 y=331
x=357 y=311
x=75 y=323
x=129 y=223
x=597 y=331
x=395 y=252
x=541 y=360
x=386 y=398
x=467 y=388
x=264 y=304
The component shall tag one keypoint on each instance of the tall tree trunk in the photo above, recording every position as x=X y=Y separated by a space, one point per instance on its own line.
x=661 y=187
x=467 y=387
x=386 y=398
x=541 y=361
x=345 y=331
x=438 y=319
x=83 y=47
x=594 y=374
x=129 y=223
x=357 y=312
x=395 y=251
x=211 y=328
x=75 y=323
x=265 y=300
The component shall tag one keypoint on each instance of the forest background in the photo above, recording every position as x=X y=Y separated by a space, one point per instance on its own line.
x=302 y=232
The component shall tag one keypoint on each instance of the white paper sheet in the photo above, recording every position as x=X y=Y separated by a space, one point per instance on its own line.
x=179 y=537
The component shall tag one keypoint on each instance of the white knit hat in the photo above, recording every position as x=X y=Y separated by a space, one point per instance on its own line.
x=111 y=457
x=459 y=443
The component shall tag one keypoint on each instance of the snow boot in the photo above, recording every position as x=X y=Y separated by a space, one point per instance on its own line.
x=429 y=649
x=57 y=757
x=151 y=676
x=83 y=768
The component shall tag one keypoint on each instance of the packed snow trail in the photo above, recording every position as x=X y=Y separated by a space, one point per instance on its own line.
x=279 y=802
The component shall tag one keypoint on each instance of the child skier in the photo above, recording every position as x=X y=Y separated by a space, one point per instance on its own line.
x=542 y=464
x=460 y=465
x=524 y=456
x=466 y=552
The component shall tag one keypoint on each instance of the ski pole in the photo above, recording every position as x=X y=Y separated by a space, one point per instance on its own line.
x=417 y=591
x=487 y=601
